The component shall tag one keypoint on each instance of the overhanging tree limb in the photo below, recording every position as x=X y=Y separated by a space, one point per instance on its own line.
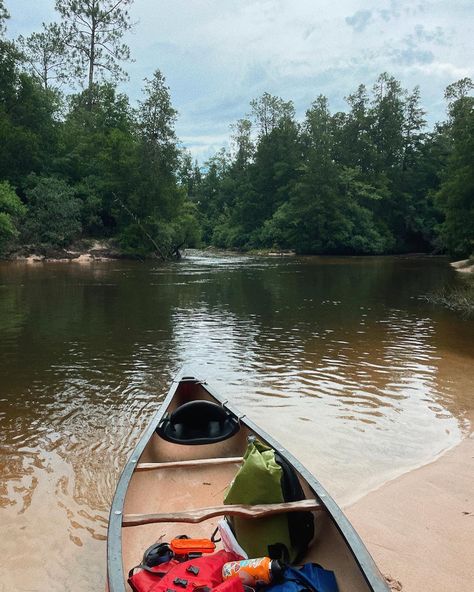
x=137 y=221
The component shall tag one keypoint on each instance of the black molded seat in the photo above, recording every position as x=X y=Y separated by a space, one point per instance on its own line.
x=198 y=422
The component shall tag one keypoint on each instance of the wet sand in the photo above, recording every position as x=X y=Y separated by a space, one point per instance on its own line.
x=420 y=527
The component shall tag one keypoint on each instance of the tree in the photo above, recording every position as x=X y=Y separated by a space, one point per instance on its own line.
x=45 y=53
x=413 y=184
x=99 y=155
x=269 y=111
x=458 y=91
x=456 y=194
x=4 y=16
x=354 y=146
x=211 y=199
x=327 y=207
x=387 y=121
x=158 y=149
x=28 y=126
x=413 y=126
x=54 y=212
x=189 y=175
x=93 y=33
x=12 y=211
x=158 y=210
x=156 y=121
x=397 y=132
x=243 y=143
x=257 y=187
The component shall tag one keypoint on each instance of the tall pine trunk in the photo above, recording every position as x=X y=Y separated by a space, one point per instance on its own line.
x=90 y=84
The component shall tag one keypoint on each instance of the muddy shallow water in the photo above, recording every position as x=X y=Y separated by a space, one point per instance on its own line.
x=337 y=357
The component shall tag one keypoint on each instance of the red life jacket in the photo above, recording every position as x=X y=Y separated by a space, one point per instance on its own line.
x=203 y=574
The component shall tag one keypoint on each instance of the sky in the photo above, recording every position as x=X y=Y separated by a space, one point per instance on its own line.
x=218 y=55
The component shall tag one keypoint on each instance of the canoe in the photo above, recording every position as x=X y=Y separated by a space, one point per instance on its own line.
x=175 y=479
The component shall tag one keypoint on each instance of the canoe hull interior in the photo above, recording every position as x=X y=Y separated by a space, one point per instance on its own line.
x=163 y=477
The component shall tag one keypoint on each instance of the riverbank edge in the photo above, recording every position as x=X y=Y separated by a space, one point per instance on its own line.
x=464 y=266
x=88 y=250
x=459 y=298
x=419 y=526
x=82 y=251
x=104 y=250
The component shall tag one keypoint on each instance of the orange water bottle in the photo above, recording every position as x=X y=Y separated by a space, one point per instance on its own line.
x=253 y=572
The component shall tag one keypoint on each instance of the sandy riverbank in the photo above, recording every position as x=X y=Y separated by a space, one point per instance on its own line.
x=464 y=266
x=420 y=527
x=82 y=251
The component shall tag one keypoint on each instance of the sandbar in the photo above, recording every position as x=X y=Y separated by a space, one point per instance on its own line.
x=419 y=527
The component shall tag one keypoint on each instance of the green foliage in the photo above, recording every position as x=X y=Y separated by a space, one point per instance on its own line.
x=355 y=182
x=11 y=211
x=28 y=127
x=156 y=121
x=102 y=168
x=154 y=236
x=270 y=112
x=99 y=155
x=157 y=213
x=10 y=203
x=186 y=227
x=44 y=53
x=54 y=212
x=367 y=180
x=87 y=191
x=4 y=16
x=8 y=232
x=137 y=238
x=93 y=31
x=456 y=194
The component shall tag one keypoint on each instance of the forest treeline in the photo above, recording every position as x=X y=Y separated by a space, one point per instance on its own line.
x=369 y=180
x=86 y=163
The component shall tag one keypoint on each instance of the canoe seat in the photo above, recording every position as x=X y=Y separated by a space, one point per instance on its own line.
x=198 y=422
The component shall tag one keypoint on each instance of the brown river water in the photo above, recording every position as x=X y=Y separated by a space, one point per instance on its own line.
x=338 y=358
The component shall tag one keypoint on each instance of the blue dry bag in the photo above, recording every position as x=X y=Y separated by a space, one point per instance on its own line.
x=310 y=577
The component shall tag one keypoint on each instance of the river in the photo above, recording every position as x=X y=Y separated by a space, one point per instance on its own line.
x=338 y=358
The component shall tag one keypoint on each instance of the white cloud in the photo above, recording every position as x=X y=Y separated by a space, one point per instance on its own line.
x=217 y=55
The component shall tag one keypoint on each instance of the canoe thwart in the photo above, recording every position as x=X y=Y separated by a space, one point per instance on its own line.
x=201 y=514
x=188 y=463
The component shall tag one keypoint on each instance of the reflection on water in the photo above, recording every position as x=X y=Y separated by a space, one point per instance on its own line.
x=336 y=357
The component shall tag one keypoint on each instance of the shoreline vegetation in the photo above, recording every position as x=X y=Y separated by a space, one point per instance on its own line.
x=459 y=298
x=78 y=159
x=100 y=249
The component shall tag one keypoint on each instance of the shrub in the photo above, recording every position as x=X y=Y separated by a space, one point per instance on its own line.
x=54 y=213
x=11 y=211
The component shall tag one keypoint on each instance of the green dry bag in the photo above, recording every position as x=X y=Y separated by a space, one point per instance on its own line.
x=266 y=478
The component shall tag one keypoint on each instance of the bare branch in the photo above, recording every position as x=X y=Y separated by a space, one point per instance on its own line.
x=113 y=8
